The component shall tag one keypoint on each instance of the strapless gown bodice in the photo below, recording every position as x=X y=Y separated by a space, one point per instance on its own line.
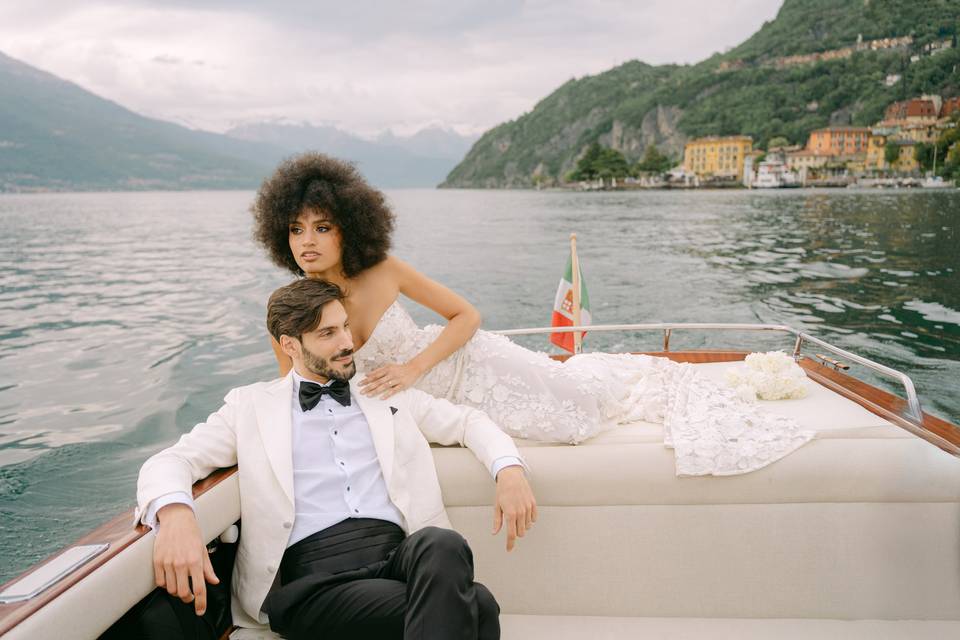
x=530 y=395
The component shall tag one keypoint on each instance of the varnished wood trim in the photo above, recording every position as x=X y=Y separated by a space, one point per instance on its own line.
x=683 y=356
x=882 y=403
x=119 y=533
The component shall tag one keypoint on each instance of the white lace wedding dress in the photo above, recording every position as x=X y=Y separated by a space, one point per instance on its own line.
x=530 y=395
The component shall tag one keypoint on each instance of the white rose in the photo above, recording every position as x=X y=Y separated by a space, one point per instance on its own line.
x=769 y=376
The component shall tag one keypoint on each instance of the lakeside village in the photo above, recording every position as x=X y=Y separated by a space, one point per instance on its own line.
x=916 y=144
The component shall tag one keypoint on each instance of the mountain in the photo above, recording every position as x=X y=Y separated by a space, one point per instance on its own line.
x=420 y=160
x=57 y=136
x=819 y=62
x=432 y=141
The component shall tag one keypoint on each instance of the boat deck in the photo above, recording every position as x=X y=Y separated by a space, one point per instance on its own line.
x=853 y=535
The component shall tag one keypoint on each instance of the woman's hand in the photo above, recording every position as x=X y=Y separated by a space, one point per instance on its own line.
x=390 y=379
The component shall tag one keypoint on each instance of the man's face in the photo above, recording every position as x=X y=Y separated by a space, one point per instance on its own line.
x=326 y=353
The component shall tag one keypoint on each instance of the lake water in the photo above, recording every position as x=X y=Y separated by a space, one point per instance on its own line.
x=125 y=317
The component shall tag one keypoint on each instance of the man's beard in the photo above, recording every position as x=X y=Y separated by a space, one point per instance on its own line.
x=320 y=367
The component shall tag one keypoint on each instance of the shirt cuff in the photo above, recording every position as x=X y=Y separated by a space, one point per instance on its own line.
x=503 y=462
x=149 y=517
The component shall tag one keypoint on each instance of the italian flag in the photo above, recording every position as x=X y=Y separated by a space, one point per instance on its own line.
x=563 y=308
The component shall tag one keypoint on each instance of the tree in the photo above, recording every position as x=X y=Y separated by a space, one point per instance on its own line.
x=600 y=162
x=612 y=164
x=891 y=153
x=653 y=161
x=951 y=165
x=924 y=155
x=586 y=169
x=777 y=141
x=948 y=163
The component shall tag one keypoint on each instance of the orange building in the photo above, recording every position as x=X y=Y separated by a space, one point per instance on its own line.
x=839 y=141
x=925 y=109
x=949 y=106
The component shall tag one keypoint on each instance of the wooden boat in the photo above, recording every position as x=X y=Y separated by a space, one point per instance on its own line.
x=855 y=535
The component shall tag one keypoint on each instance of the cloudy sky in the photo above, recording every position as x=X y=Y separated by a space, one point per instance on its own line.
x=364 y=66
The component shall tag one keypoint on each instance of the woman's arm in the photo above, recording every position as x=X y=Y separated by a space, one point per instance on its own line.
x=463 y=320
x=283 y=360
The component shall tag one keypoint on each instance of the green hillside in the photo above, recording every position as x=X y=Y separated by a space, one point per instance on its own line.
x=56 y=136
x=743 y=91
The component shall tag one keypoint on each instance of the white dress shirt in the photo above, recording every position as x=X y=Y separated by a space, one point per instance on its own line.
x=336 y=472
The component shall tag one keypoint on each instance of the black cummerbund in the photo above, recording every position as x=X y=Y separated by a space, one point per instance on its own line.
x=346 y=546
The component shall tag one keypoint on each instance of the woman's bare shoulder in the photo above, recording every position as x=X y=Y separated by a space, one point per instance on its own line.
x=378 y=283
x=394 y=264
x=400 y=271
x=389 y=272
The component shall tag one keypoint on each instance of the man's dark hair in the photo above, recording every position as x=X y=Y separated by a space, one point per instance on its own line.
x=296 y=309
x=318 y=182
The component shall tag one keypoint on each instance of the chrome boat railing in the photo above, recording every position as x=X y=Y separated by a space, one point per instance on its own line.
x=913 y=413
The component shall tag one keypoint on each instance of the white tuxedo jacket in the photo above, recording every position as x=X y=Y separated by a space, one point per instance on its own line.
x=253 y=430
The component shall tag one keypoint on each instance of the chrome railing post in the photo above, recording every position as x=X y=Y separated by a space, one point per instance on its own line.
x=666 y=339
x=797 y=346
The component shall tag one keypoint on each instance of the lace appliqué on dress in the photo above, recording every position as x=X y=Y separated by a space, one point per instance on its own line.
x=530 y=395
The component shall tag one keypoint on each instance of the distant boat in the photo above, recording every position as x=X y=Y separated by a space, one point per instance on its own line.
x=773 y=174
x=936 y=182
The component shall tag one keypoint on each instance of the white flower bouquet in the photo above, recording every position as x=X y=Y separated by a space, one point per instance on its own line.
x=768 y=376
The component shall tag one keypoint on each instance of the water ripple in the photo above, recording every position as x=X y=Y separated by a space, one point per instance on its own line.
x=124 y=318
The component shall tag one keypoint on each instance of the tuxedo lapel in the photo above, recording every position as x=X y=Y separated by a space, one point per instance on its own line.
x=275 y=423
x=380 y=418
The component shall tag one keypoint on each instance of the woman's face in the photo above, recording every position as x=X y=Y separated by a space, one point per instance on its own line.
x=315 y=242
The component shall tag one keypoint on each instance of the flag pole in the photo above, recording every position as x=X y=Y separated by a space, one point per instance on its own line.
x=577 y=336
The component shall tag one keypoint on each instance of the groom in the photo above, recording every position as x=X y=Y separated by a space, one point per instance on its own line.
x=344 y=528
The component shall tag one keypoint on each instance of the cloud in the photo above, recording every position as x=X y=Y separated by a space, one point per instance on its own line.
x=165 y=59
x=366 y=65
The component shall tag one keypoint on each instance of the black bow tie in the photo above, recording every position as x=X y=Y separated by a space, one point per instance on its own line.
x=311 y=392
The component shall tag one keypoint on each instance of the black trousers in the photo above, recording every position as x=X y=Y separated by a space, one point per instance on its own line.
x=161 y=616
x=359 y=579
x=363 y=579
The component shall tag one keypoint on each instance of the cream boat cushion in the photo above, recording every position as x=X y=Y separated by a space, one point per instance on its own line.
x=861 y=523
x=854 y=536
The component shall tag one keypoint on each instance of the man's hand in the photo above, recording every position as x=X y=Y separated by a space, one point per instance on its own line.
x=515 y=502
x=180 y=557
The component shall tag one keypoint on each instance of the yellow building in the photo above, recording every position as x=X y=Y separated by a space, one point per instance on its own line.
x=717 y=157
x=805 y=159
x=906 y=161
x=876 y=152
x=924 y=132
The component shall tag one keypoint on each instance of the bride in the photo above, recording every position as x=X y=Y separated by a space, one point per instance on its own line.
x=318 y=218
